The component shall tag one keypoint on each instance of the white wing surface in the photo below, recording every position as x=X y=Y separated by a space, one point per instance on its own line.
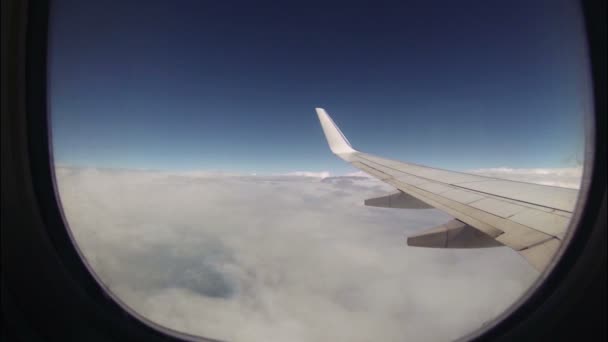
x=530 y=218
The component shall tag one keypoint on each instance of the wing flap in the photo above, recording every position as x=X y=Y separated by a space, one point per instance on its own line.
x=497 y=207
x=454 y=234
x=397 y=199
x=547 y=196
x=540 y=255
x=550 y=223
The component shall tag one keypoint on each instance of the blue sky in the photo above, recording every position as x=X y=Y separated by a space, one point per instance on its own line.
x=215 y=85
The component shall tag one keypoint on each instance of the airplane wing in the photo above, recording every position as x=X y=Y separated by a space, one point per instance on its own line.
x=530 y=218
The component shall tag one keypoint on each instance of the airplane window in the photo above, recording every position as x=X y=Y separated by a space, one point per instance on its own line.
x=364 y=171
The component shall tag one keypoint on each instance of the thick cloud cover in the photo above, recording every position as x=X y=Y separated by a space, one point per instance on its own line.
x=280 y=258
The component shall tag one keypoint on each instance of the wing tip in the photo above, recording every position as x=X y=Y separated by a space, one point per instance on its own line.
x=321 y=112
x=338 y=143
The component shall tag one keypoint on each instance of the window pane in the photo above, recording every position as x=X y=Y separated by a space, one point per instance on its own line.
x=198 y=185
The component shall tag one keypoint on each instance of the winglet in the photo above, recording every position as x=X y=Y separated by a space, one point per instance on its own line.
x=338 y=143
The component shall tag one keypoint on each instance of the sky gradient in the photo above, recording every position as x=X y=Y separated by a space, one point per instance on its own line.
x=206 y=85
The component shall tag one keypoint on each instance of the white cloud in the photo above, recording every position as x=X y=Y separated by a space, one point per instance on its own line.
x=320 y=174
x=358 y=174
x=281 y=258
x=564 y=177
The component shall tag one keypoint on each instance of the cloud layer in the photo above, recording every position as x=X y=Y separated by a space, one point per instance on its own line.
x=568 y=177
x=281 y=258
